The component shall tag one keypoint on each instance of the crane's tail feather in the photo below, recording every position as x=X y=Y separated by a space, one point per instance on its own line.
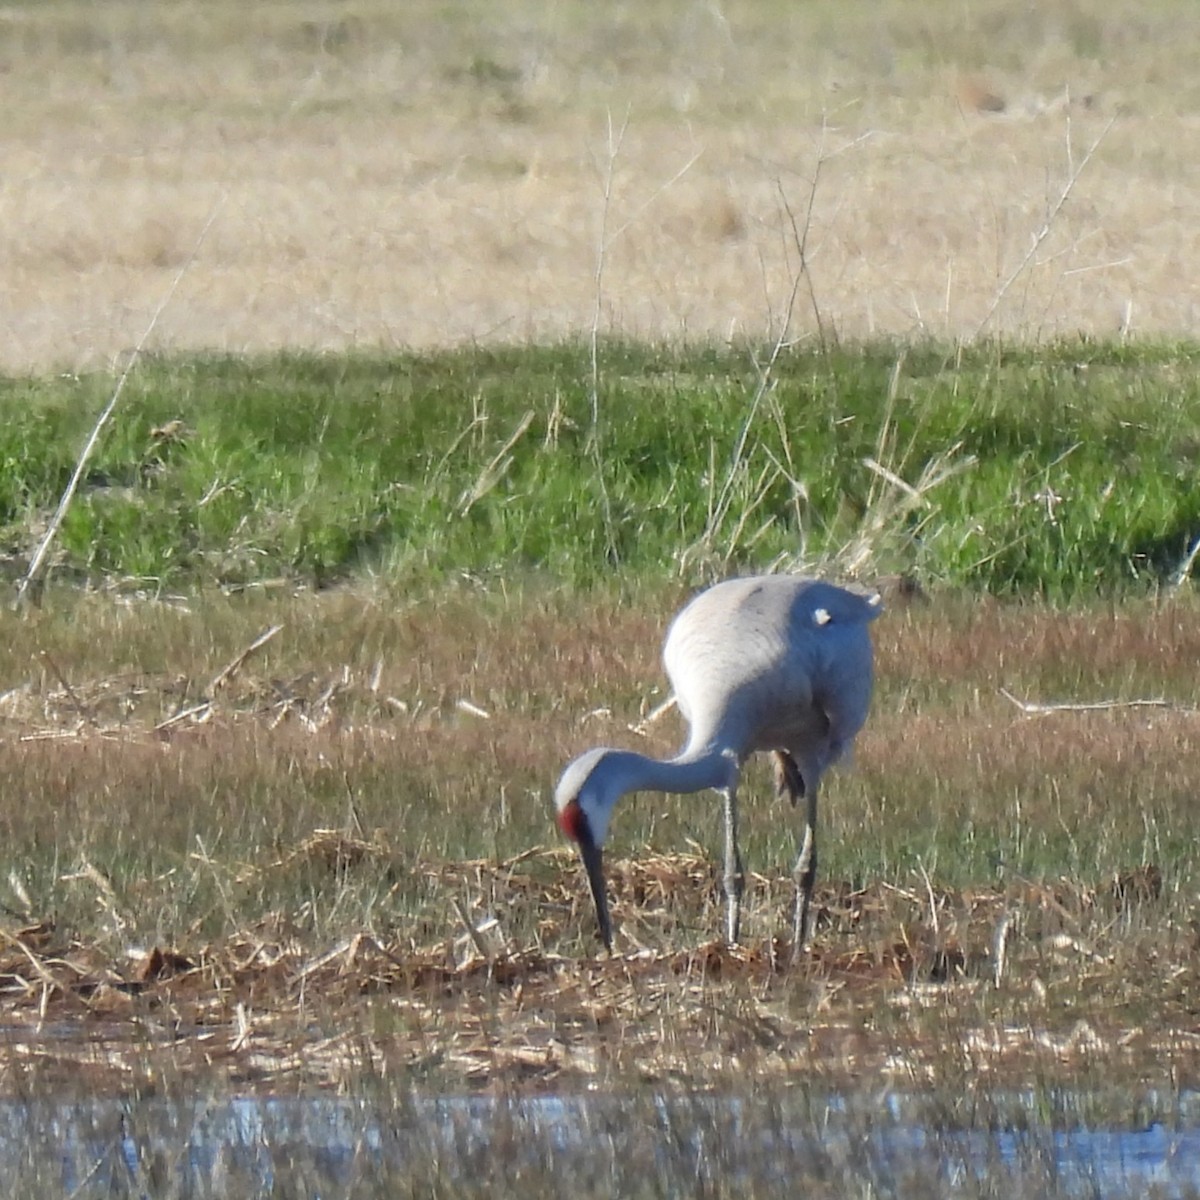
x=788 y=780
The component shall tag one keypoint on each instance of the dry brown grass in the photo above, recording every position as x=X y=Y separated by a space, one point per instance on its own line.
x=903 y=985
x=330 y=864
x=389 y=175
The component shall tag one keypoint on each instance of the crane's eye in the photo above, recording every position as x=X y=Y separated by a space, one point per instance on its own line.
x=572 y=820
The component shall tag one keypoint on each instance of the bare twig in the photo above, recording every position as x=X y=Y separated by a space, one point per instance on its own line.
x=1034 y=708
x=227 y=672
x=84 y=710
x=1047 y=225
x=891 y=505
x=604 y=240
x=472 y=932
x=801 y=233
x=323 y=960
x=201 y=712
x=654 y=716
x=39 y=968
x=654 y=195
x=495 y=470
x=1000 y=946
x=39 y=555
x=800 y=238
x=933 y=913
x=615 y=138
x=85 y=1183
x=781 y=338
x=1184 y=571
x=720 y=510
x=245 y=1027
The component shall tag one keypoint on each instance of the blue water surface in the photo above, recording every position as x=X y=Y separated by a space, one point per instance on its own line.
x=886 y=1143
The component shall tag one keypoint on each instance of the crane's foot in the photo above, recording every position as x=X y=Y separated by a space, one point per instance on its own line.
x=800 y=929
x=733 y=917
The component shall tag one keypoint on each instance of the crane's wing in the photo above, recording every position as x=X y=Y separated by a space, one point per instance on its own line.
x=819 y=603
x=774 y=662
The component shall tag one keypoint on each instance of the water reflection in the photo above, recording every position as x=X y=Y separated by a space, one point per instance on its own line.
x=884 y=1144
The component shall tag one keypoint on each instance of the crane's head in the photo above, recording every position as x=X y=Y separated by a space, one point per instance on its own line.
x=584 y=799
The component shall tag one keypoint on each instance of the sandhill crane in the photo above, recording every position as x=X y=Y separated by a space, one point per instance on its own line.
x=777 y=663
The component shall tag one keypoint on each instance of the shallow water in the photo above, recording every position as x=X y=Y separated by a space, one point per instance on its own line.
x=884 y=1144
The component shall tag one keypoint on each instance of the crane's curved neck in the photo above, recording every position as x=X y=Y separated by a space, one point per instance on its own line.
x=690 y=771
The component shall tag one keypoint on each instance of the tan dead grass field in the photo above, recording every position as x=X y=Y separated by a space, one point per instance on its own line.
x=335 y=854
x=422 y=174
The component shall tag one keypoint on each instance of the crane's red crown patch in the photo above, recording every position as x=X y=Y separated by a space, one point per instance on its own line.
x=572 y=821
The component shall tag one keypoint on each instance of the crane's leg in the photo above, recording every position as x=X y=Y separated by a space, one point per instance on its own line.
x=805 y=874
x=734 y=879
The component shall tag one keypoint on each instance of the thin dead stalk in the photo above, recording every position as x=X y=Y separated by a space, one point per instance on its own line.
x=802 y=276
x=1047 y=225
x=800 y=238
x=1000 y=946
x=85 y=1183
x=615 y=138
x=472 y=932
x=83 y=709
x=39 y=555
x=496 y=469
x=604 y=241
x=933 y=908
x=230 y=669
x=801 y=234
x=197 y=712
x=1184 y=571
x=643 y=727
x=1033 y=708
x=890 y=508
x=39 y=968
x=718 y=511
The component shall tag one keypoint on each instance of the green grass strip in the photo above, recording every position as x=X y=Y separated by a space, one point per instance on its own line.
x=1064 y=471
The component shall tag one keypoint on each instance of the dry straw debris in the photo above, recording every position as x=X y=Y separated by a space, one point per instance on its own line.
x=246 y=1005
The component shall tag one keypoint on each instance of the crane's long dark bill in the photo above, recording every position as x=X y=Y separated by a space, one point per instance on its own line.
x=593 y=861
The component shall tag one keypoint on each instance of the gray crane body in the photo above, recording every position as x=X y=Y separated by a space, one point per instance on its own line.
x=773 y=663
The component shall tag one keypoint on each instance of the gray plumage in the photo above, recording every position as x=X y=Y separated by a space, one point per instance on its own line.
x=774 y=663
